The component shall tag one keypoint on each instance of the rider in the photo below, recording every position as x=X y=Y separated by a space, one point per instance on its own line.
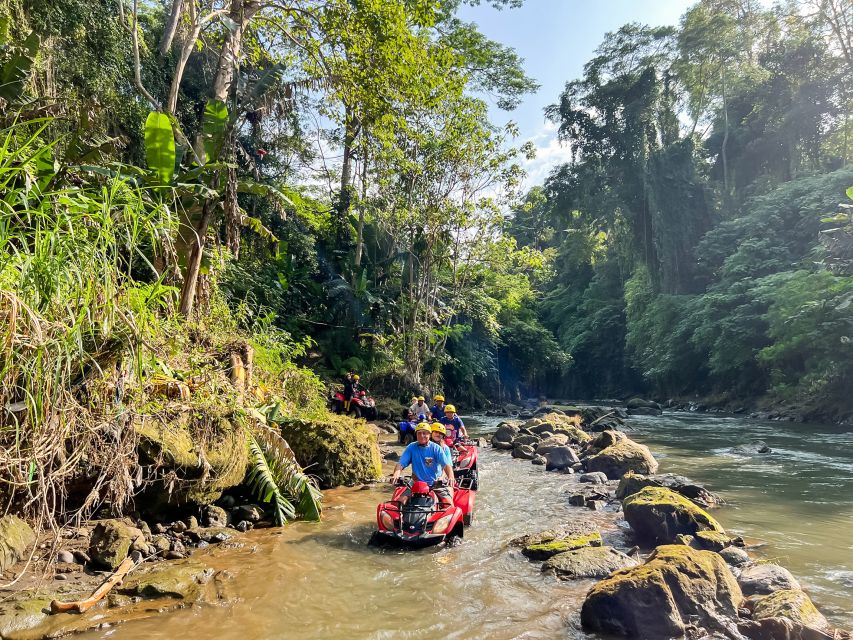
x=453 y=423
x=438 y=408
x=428 y=460
x=407 y=423
x=437 y=435
x=419 y=406
x=348 y=390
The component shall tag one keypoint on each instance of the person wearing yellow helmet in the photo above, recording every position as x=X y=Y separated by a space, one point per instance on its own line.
x=429 y=461
x=419 y=406
x=438 y=408
x=349 y=382
x=453 y=423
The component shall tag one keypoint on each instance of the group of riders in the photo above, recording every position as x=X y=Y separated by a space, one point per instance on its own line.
x=437 y=429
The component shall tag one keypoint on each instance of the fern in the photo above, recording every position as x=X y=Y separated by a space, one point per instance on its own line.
x=275 y=477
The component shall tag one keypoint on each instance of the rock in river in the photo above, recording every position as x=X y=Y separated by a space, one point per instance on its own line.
x=754 y=448
x=634 y=482
x=595 y=477
x=620 y=457
x=587 y=562
x=792 y=604
x=734 y=556
x=657 y=514
x=676 y=586
x=560 y=458
x=523 y=451
x=503 y=437
x=544 y=548
x=765 y=579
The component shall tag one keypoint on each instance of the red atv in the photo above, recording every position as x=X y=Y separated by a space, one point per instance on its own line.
x=422 y=519
x=361 y=405
x=465 y=453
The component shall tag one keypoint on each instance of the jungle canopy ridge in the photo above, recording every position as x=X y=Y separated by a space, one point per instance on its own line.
x=315 y=188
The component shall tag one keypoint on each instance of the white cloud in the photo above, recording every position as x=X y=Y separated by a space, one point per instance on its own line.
x=550 y=152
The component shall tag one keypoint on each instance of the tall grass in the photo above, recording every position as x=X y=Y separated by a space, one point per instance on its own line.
x=77 y=288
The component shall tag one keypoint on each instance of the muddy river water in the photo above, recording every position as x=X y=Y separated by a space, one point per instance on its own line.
x=313 y=581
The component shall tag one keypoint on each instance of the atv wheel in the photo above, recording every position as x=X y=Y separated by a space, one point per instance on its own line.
x=356 y=411
x=375 y=539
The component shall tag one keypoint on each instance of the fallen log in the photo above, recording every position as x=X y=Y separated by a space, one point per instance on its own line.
x=81 y=606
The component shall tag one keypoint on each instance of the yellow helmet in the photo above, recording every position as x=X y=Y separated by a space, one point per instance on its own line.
x=440 y=428
x=356 y=377
x=423 y=426
x=439 y=398
x=450 y=409
x=421 y=398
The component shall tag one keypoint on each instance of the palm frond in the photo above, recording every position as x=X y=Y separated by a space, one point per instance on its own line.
x=276 y=477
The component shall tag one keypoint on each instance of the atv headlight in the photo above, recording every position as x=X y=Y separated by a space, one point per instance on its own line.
x=386 y=520
x=442 y=524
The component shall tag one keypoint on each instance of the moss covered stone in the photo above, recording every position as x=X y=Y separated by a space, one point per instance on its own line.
x=621 y=457
x=204 y=448
x=548 y=548
x=713 y=540
x=15 y=537
x=180 y=580
x=337 y=449
x=789 y=603
x=587 y=562
x=658 y=514
x=677 y=585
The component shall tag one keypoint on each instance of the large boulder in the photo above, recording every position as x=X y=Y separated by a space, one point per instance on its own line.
x=559 y=458
x=543 y=547
x=766 y=578
x=180 y=580
x=758 y=447
x=523 y=452
x=644 y=411
x=111 y=541
x=587 y=562
x=529 y=440
x=337 y=450
x=200 y=449
x=633 y=482
x=657 y=514
x=504 y=435
x=622 y=456
x=16 y=537
x=676 y=586
x=792 y=604
x=641 y=403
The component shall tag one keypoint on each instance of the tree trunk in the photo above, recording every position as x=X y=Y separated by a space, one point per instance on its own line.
x=171 y=27
x=241 y=13
x=194 y=262
x=723 y=155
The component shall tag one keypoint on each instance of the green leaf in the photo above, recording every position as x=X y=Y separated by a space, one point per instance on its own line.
x=213 y=128
x=850 y=192
x=15 y=72
x=160 y=146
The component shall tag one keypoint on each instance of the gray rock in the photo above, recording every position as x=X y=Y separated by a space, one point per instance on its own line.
x=243 y=526
x=567 y=471
x=539 y=460
x=587 y=562
x=161 y=544
x=644 y=411
x=523 y=452
x=227 y=502
x=763 y=579
x=577 y=500
x=596 y=505
x=528 y=440
x=81 y=557
x=754 y=448
x=216 y=517
x=504 y=435
x=65 y=556
x=578 y=467
x=178 y=526
x=250 y=512
x=596 y=477
x=192 y=522
x=634 y=482
x=544 y=427
x=560 y=458
x=734 y=556
x=640 y=403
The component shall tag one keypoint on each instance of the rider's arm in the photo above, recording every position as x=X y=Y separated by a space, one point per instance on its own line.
x=405 y=461
x=396 y=475
x=448 y=469
x=462 y=430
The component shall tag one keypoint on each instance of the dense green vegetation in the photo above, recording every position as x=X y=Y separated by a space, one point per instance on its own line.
x=193 y=187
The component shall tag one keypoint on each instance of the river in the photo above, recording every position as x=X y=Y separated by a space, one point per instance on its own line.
x=321 y=581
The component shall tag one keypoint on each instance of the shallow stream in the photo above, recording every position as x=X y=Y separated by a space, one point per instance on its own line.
x=312 y=581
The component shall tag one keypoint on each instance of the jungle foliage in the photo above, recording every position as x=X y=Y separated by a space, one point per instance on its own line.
x=697 y=250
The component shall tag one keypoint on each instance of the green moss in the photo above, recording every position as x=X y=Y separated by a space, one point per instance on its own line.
x=657 y=513
x=336 y=449
x=546 y=549
x=789 y=603
x=713 y=540
x=181 y=580
x=15 y=537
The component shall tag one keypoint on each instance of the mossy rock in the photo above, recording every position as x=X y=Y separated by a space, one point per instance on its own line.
x=675 y=587
x=657 y=514
x=548 y=548
x=621 y=457
x=111 y=541
x=587 y=562
x=789 y=603
x=337 y=450
x=181 y=580
x=713 y=540
x=16 y=536
x=205 y=450
x=633 y=482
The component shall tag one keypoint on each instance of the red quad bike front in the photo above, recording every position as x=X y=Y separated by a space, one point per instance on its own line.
x=421 y=520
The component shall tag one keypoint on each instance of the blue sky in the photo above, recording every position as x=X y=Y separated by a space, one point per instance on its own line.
x=556 y=38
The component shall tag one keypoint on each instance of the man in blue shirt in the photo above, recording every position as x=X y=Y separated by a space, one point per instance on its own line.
x=428 y=460
x=438 y=408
